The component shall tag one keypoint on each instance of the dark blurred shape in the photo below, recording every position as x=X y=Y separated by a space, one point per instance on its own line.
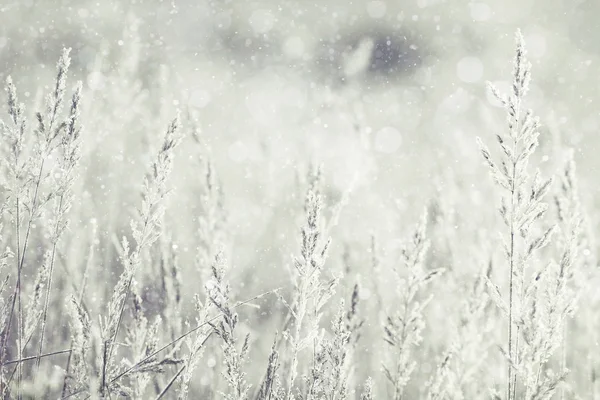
x=391 y=54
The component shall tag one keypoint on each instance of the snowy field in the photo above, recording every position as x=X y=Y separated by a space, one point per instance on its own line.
x=277 y=200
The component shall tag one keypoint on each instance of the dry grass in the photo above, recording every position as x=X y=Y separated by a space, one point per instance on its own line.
x=110 y=310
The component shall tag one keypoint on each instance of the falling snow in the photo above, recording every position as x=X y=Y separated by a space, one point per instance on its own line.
x=303 y=199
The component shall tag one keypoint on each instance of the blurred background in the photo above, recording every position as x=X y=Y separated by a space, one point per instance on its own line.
x=387 y=96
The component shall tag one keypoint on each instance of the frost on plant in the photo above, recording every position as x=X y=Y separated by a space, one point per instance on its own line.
x=144 y=256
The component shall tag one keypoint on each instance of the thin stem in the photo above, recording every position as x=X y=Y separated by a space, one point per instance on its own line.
x=10 y=317
x=171 y=382
x=33 y=211
x=49 y=285
x=516 y=344
x=513 y=349
x=510 y=297
x=299 y=316
x=19 y=318
x=563 y=360
x=64 y=388
x=108 y=350
x=20 y=264
x=30 y=358
x=398 y=390
x=80 y=300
